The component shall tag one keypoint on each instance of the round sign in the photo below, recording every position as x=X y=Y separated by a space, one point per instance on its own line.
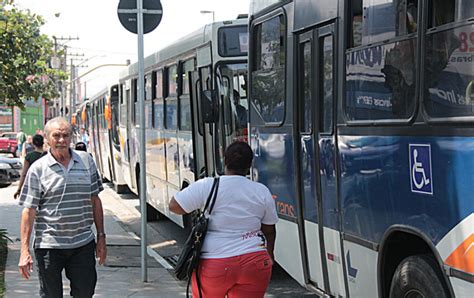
x=127 y=13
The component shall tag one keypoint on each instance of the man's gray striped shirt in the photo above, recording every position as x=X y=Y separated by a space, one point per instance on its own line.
x=62 y=199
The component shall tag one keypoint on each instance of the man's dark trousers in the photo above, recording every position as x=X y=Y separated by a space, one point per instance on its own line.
x=79 y=264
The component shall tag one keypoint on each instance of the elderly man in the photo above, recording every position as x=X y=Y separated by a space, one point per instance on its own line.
x=60 y=196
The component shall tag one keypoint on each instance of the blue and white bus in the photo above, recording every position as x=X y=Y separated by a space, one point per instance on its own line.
x=361 y=120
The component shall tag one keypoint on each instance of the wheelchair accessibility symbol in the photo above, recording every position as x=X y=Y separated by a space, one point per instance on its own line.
x=420 y=168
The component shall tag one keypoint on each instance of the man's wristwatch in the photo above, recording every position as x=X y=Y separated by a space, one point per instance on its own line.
x=100 y=235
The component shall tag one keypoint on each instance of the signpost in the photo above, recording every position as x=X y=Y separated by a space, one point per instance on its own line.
x=152 y=13
x=141 y=17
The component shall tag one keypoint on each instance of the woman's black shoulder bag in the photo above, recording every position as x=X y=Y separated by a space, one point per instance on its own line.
x=189 y=257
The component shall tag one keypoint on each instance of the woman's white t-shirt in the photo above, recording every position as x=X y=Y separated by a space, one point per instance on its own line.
x=241 y=207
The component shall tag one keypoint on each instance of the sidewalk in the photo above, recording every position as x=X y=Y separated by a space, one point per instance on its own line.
x=121 y=275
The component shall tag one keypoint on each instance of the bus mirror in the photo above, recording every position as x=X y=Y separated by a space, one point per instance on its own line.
x=209 y=106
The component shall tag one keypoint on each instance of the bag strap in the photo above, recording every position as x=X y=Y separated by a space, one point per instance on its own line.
x=215 y=195
x=212 y=196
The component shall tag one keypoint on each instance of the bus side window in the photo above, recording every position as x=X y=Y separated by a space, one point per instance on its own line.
x=381 y=72
x=185 y=121
x=158 y=111
x=373 y=21
x=171 y=104
x=448 y=74
x=268 y=69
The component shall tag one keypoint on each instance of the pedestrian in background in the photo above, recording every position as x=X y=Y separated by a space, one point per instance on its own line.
x=84 y=136
x=30 y=158
x=241 y=111
x=60 y=196
x=237 y=253
x=27 y=146
x=20 y=139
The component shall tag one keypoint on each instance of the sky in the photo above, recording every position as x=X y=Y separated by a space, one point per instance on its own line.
x=103 y=40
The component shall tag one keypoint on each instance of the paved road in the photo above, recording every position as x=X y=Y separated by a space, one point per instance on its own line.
x=121 y=275
x=167 y=238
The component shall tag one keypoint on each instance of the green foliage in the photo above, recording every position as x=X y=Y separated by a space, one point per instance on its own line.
x=24 y=57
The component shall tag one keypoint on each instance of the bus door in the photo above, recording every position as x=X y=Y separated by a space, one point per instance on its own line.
x=98 y=133
x=95 y=135
x=208 y=129
x=198 y=126
x=317 y=174
x=130 y=125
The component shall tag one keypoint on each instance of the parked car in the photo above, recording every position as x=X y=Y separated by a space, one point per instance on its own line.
x=8 y=143
x=9 y=170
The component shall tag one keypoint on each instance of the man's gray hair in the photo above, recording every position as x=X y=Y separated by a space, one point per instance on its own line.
x=54 y=121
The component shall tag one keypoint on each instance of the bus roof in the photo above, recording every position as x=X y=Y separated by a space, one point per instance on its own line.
x=185 y=44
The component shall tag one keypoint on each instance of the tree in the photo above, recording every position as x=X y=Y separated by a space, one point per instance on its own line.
x=24 y=57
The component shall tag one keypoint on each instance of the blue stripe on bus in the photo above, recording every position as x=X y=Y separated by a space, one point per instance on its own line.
x=376 y=185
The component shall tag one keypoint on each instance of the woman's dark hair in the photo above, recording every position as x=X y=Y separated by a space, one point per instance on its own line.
x=81 y=146
x=38 y=141
x=238 y=158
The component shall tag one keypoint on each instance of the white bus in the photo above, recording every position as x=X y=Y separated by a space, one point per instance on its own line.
x=181 y=145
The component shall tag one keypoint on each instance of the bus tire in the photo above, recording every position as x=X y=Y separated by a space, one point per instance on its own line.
x=418 y=276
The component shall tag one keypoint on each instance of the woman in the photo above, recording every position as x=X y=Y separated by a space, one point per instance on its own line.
x=237 y=254
x=27 y=146
x=30 y=158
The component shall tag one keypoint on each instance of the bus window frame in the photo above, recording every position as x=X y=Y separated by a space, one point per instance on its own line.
x=418 y=35
x=134 y=99
x=217 y=67
x=280 y=12
x=432 y=31
x=322 y=35
x=180 y=72
x=230 y=27
x=170 y=96
x=202 y=84
x=300 y=84
x=158 y=97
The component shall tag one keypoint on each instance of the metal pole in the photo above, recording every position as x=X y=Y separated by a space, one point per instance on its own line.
x=63 y=89
x=71 y=93
x=74 y=93
x=141 y=99
x=61 y=111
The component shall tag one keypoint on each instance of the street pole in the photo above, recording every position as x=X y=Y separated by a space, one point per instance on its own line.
x=71 y=93
x=63 y=91
x=141 y=99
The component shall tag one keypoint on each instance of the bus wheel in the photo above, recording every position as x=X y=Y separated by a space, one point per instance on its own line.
x=418 y=277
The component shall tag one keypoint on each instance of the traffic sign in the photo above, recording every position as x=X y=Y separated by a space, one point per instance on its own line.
x=152 y=13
